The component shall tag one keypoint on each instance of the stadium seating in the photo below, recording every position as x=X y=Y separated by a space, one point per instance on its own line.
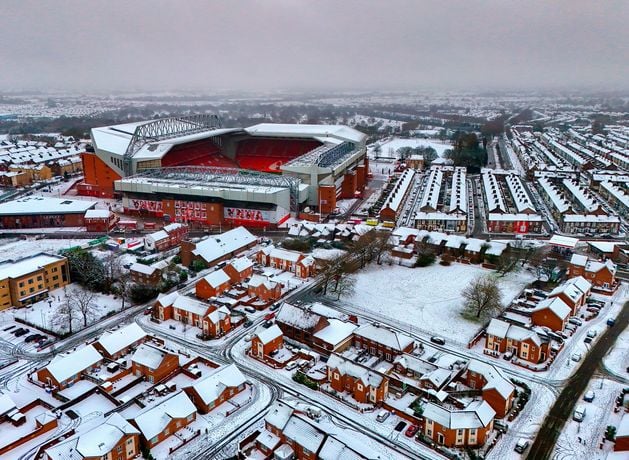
x=268 y=155
x=201 y=153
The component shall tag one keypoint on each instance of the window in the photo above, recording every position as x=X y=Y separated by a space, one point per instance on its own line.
x=21 y=284
x=130 y=441
x=119 y=449
x=39 y=278
x=30 y=281
x=360 y=387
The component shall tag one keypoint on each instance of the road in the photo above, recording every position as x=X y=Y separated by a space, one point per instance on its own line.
x=561 y=411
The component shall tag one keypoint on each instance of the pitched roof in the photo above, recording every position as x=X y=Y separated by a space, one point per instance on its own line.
x=495 y=379
x=278 y=415
x=62 y=368
x=556 y=305
x=267 y=335
x=211 y=387
x=388 y=337
x=154 y=420
x=149 y=355
x=241 y=264
x=215 y=247
x=216 y=278
x=346 y=367
x=476 y=415
x=122 y=338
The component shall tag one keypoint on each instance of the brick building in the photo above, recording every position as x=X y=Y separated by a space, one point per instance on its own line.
x=239 y=269
x=467 y=427
x=266 y=341
x=264 y=288
x=44 y=212
x=120 y=342
x=551 y=312
x=63 y=371
x=29 y=280
x=100 y=220
x=525 y=344
x=149 y=275
x=168 y=237
x=153 y=362
x=301 y=265
x=213 y=390
x=574 y=292
x=212 y=285
x=601 y=275
x=382 y=341
x=365 y=385
x=497 y=390
x=217 y=248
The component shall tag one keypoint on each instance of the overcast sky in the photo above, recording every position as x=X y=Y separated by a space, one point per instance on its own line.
x=285 y=44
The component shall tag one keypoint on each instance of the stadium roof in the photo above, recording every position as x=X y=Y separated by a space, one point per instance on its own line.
x=324 y=133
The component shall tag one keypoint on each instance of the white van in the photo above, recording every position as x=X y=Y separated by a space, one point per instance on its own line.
x=579 y=414
x=382 y=415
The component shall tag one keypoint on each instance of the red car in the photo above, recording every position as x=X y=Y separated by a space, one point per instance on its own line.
x=269 y=316
x=411 y=431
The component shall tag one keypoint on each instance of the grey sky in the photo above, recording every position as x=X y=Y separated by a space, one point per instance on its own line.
x=275 y=44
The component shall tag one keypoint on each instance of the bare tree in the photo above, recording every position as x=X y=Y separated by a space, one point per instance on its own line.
x=112 y=268
x=345 y=286
x=380 y=245
x=65 y=313
x=482 y=297
x=508 y=261
x=82 y=302
x=123 y=287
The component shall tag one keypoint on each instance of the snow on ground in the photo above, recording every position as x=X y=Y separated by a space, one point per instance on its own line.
x=427 y=298
x=599 y=413
x=617 y=360
x=44 y=313
x=390 y=147
x=327 y=254
x=345 y=205
x=18 y=248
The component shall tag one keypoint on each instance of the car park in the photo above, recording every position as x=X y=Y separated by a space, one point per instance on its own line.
x=521 y=446
x=589 y=396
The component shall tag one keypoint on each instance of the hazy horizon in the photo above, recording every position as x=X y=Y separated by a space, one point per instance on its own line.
x=302 y=45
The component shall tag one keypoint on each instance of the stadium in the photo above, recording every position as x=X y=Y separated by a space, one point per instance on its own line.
x=191 y=169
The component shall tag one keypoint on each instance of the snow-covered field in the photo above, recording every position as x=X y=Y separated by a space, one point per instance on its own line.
x=390 y=147
x=427 y=298
x=16 y=248
x=617 y=360
x=44 y=313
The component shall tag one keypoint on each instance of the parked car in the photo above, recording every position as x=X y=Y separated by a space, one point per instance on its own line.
x=438 y=340
x=148 y=311
x=589 y=396
x=248 y=337
x=579 y=414
x=411 y=431
x=576 y=357
x=267 y=324
x=31 y=338
x=611 y=322
x=250 y=309
x=521 y=446
x=400 y=426
x=382 y=415
x=275 y=306
x=248 y=323
x=587 y=340
x=508 y=355
x=576 y=321
x=269 y=316
x=592 y=333
x=21 y=332
x=290 y=366
x=501 y=425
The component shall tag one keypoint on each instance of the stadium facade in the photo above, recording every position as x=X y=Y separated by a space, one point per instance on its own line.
x=191 y=169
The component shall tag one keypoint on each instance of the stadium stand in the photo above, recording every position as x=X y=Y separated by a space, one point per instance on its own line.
x=267 y=155
x=200 y=153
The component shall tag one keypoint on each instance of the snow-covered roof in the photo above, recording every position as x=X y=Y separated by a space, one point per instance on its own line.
x=493 y=192
x=218 y=246
x=340 y=132
x=45 y=205
x=241 y=264
x=335 y=332
x=458 y=191
x=149 y=355
x=183 y=302
x=346 y=367
x=267 y=335
x=400 y=190
x=97 y=442
x=430 y=196
x=97 y=214
x=153 y=420
x=142 y=268
x=216 y=278
x=21 y=267
x=6 y=404
x=579 y=259
x=219 y=314
x=259 y=280
x=556 y=305
x=122 y=338
x=64 y=367
x=495 y=379
x=574 y=288
x=476 y=415
x=157 y=236
x=304 y=433
x=559 y=202
x=603 y=246
x=285 y=254
x=268 y=440
x=388 y=337
x=212 y=386
x=278 y=415
x=307 y=317
x=565 y=241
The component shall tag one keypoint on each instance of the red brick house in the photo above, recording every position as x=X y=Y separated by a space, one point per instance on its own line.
x=118 y=343
x=264 y=288
x=382 y=341
x=149 y=275
x=216 y=322
x=524 y=343
x=63 y=371
x=154 y=363
x=574 y=292
x=115 y=438
x=168 y=237
x=213 y=285
x=181 y=308
x=239 y=269
x=213 y=390
x=217 y=248
x=551 y=312
x=100 y=220
x=301 y=265
x=158 y=422
x=497 y=390
x=467 y=427
x=602 y=275
x=266 y=341
x=365 y=385
x=413 y=370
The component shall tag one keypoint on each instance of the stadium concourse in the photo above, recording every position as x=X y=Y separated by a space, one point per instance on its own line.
x=191 y=169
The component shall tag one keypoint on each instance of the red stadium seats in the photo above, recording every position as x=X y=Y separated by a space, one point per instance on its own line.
x=268 y=155
x=200 y=153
